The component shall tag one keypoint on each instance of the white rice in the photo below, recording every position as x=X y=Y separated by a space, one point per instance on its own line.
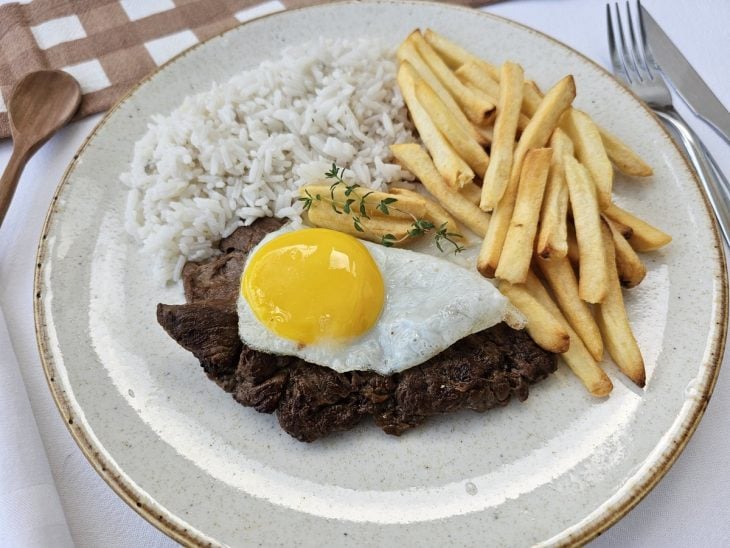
x=241 y=150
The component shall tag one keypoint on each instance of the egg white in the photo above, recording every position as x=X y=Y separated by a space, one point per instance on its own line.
x=430 y=303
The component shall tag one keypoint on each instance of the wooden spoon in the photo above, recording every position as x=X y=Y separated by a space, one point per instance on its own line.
x=40 y=104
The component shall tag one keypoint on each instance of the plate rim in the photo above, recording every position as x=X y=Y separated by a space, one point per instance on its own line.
x=582 y=532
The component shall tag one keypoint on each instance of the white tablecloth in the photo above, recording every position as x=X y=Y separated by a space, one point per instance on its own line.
x=691 y=505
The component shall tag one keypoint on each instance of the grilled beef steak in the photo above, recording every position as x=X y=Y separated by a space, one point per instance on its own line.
x=245 y=238
x=479 y=372
x=217 y=278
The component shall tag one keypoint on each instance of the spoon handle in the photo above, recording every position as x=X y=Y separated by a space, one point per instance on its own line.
x=9 y=179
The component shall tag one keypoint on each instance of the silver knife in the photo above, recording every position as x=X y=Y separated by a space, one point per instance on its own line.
x=684 y=78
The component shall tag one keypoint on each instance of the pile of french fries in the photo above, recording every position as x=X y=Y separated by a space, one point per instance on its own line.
x=541 y=198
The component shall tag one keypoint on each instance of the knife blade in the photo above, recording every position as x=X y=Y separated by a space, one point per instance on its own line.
x=690 y=86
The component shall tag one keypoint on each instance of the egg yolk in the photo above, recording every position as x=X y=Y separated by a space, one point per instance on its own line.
x=314 y=285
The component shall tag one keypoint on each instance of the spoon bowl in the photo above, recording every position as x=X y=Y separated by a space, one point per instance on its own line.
x=40 y=104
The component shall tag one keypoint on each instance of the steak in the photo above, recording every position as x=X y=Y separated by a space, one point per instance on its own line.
x=214 y=279
x=480 y=372
x=210 y=331
x=245 y=238
x=217 y=278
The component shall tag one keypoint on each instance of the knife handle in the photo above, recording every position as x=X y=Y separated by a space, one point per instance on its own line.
x=713 y=181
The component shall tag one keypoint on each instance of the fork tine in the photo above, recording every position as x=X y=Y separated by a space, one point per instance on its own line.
x=619 y=68
x=641 y=64
x=647 y=81
x=629 y=61
x=648 y=56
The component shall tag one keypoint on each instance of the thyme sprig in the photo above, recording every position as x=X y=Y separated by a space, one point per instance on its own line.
x=443 y=235
x=356 y=208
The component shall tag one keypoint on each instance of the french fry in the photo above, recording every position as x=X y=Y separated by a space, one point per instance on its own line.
x=464 y=145
x=407 y=53
x=531 y=98
x=491 y=98
x=514 y=261
x=486 y=134
x=503 y=142
x=562 y=281
x=473 y=76
x=373 y=229
x=454 y=55
x=590 y=152
x=631 y=271
x=471 y=192
x=477 y=108
x=645 y=237
x=625 y=230
x=536 y=135
x=614 y=323
x=625 y=159
x=552 y=240
x=545 y=120
x=577 y=356
x=542 y=326
x=407 y=206
x=573 y=253
x=522 y=120
x=434 y=213
x=454 y=170
x=416 y=160
x=593 y=281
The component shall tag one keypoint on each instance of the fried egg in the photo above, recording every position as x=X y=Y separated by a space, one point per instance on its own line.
x=336 y=301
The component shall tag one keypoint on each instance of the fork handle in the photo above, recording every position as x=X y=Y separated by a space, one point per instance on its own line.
x=713 y=181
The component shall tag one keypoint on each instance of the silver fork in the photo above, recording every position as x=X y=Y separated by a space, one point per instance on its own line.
x=637 y=67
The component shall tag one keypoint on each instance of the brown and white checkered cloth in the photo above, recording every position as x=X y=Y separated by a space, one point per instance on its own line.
x=109 y=45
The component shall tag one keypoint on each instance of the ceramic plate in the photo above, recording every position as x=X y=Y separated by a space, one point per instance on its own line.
x=558 y=468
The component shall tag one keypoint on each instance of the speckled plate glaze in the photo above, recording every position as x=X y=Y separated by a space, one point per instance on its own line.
x=557 y=469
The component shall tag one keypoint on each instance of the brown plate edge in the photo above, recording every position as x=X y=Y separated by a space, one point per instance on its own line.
x=172 y=526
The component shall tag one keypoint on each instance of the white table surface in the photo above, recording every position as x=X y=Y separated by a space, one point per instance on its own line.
x=690 y=506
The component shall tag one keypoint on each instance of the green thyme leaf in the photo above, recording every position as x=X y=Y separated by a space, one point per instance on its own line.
x=387 y=240
x=307 y=202
x=363 y=211
x=443 y=235
x=332 y=173
x=420 y=227
x=332 y=196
